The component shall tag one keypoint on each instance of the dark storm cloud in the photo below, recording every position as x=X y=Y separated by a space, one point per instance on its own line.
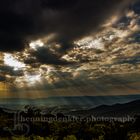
x=136 y=7
x=10 y=71
x=23 y=20
x=45 y=56
x=2 y=78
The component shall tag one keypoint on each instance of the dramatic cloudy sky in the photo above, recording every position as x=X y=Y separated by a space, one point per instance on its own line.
x=75 y=47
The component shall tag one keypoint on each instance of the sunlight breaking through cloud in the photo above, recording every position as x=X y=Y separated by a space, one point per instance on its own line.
x=36 y=44
x=32 y=79
x=13 y=62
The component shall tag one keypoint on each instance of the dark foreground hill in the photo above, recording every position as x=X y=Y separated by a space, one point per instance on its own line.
x=116 y=110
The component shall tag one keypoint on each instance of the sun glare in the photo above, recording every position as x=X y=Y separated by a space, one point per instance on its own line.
x=90 y=43
x=32 y=79
x=12 y=62
x=36 y=44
